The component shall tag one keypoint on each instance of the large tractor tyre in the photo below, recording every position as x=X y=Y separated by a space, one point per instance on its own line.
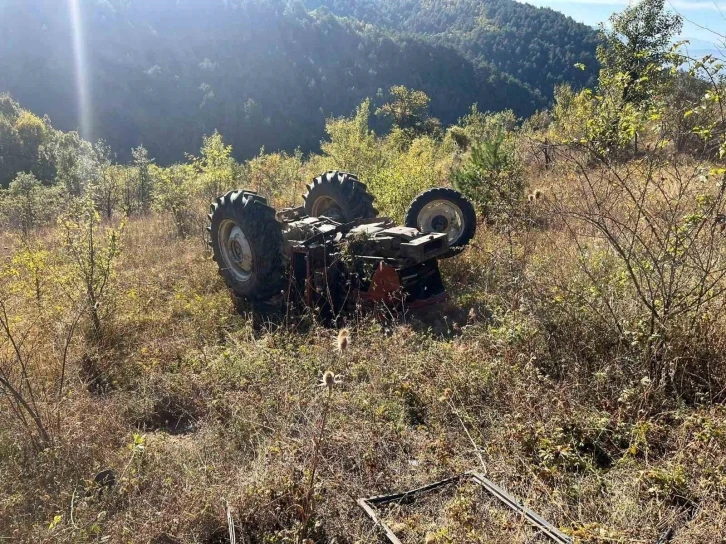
x=247 y=243
x=339 y=196
x=444 y=210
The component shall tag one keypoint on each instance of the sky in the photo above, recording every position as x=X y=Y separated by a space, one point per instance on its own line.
x=710 y=14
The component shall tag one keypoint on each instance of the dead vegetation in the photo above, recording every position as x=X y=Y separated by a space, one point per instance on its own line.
x=204 y=411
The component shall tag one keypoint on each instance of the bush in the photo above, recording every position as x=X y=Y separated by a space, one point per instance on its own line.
x=493 y=178
x=352 y=146
x=217 y=171
x=396 y=168
x=662 y=226
x=407 y=173
x=485 y=126
x=24 y=191
x=175 y=195
x=27 y=205
x=277 y=176
x=91 y=253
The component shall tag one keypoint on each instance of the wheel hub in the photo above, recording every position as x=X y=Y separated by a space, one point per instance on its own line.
x=326 y=206
x=442 y=216
x=440 y=223
x=236 y=251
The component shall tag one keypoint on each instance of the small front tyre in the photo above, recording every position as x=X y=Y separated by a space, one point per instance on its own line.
x=444 y=210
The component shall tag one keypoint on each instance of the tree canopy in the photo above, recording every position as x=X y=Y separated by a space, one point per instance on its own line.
x=638 y=44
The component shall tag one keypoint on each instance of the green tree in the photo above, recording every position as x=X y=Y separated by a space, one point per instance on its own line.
x=75 y=162
x=35 y=134
x=493 y=178
x=106 y=186
x=408 y=111
x=638 y=45
x=638 y=67
x=24 y=192
x=216 y=167
x=9 y=149
x=144 y=182
x=351 y=144
x=23 y=140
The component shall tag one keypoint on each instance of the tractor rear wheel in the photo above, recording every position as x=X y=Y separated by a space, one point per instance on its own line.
x=247 y=243
x=339 y=196
x=444 y=210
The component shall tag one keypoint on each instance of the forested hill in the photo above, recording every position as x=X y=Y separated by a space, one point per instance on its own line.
x=264 y=72
x=538 y=46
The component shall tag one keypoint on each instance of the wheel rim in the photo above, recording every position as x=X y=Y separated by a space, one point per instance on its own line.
x=326 y=206
x=442 y=216
x=236 y=250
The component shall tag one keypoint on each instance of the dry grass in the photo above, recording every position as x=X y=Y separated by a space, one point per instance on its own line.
x=195 y=406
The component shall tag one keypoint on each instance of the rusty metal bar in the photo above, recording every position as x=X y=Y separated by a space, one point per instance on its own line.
x=378 y=521
x=667 y=536
x=546 y=528
x=530 y=515
x=398 y=497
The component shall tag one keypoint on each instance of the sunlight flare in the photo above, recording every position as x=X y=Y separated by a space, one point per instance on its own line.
x=83 y=92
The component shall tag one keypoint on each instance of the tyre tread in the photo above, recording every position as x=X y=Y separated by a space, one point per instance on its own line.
x=344 y=187
x=262 y=230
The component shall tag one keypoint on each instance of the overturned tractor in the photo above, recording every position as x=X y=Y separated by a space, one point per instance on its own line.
x=334 y=251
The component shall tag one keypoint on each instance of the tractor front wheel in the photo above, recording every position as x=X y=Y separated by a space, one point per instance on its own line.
x=444 y=210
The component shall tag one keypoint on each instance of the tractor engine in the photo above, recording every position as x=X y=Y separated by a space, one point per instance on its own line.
x=365 y=261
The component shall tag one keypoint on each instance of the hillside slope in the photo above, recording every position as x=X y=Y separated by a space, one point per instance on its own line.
x=538 y=46
x=264 y=72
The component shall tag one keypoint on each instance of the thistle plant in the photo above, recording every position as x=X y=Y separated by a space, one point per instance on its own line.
x=328 y=381
x=343 y=340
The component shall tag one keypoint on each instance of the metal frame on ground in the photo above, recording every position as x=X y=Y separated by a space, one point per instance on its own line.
x=369 y=506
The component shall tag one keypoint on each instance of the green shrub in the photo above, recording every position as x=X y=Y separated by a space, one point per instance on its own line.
x=277 y=176
x=352 y=146
x=217 y=171
x=26 y=204
x=175 y=195
x=493 y=178
x=407 y=173
x=24 y=191
x=91 y=252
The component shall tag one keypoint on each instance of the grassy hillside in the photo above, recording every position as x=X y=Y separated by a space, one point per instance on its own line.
x=203 y=409
x=229 y=406
x=579 y=362
x=195 y=407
